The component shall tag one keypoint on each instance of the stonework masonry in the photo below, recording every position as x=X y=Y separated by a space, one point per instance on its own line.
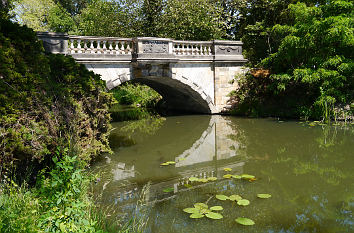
x=194 y=76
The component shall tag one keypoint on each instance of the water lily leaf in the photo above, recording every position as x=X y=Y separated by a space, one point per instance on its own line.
x=227 y=169
x=235 y=197
x=247 y=177
x=236 y=176
x=243 y=202
x=164 y=164
x=168 y=190
x=212 y=178
x=171 y=162
x=196 y=215
x=188 y=185
x=203 y=180
x=222 y=197
x=191 y=210
x=205 y=211
x=213 y=215
x=245 y=221
x=227 y=176
x=216 y=208
x=193 y=179
x=201 y=206
x=264 y=195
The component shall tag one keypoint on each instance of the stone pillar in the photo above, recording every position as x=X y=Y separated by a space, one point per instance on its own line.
x=228 y=62
x=54 y=42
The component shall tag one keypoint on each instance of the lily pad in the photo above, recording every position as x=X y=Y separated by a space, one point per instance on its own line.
x=201 y=206
x=196 y=215
x=171 y=162
x=212 y=178
x=227 y=176
x=222 y=197
x=164 y=164
x=264 y=195
x=235 y=197
x=188 y=185
x=227 y=169
x=236 y=177
x=191 y=210
x=205 y=211
x=216 y=208
x=168 y=190
x=193 y=179
x=245 y=221
x=243 y=202
x=213 y=215
x=247 y=177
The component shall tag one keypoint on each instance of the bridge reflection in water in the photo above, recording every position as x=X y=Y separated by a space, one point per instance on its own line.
x=201 y=146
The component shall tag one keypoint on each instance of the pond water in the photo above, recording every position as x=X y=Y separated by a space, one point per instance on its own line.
x=308 y=170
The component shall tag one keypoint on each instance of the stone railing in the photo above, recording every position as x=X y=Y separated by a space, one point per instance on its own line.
x=88 y=49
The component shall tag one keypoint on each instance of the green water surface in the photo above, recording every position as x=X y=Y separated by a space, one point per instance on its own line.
x=308 y=170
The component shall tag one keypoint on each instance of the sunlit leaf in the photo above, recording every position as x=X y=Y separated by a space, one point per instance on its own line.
x=228 y=176
x=264 y=195
x=236 y=177
x=205 y=211
x=213 y=215
x=243 y=202
x=196 y=215
x=247 y=177
x=168 y=190
x=193 y=179
x=212 y=178
x=164 y=164
x=203 y=180
x=181 y=159
x=171 y=162
x=235 y=197
x=191 y=210
x=245 y=221
x=201 y=205
x=188 y=185
x=222 y=197
x=217 y=207
x=227 y=169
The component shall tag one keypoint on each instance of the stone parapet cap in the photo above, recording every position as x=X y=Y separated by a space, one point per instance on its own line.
x=99 y=38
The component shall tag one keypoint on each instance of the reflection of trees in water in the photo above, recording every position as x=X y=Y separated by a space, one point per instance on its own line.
x=144 y=126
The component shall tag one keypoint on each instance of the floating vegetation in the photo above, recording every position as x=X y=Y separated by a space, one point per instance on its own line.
x=201 y=209
x=243 y=202
x=245 y=221
x=264 y=195
x=222 y=197
x=235 y=197
x=168 y=190
x=227 y=169
x=227 y=176
x=167 y=163
x=247 y=177
x=212 y=178
x=203 y=180
x=236 y=176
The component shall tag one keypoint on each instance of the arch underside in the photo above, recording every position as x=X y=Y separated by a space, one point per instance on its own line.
x=177 y=95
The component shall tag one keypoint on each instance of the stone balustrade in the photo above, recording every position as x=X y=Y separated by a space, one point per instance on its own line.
x=99 y=45
x=88 y=48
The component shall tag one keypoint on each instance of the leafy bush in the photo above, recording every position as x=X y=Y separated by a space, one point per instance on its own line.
x=46 y=101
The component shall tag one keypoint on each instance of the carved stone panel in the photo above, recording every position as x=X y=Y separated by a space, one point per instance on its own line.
x=154 y=46
x=228 y=50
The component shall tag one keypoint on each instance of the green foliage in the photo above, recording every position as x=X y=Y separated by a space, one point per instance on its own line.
x=312 y=67
x=136 y=95
x=47 y=101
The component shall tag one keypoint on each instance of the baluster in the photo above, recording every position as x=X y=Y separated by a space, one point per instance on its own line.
x=128 y=48
x=92 y=48
x=79 y=46
x=85 y=46
x=204 y=50
x=116 y=48
x=110 y=47
x=121 y=48
x=99 y=47
x=209 y=50
x=104 y=48
x=72 y=48
x=179 y=49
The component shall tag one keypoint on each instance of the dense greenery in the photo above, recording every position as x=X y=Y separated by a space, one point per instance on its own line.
x=311 y=71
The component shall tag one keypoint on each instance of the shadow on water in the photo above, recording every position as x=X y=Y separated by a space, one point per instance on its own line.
x=308 y=171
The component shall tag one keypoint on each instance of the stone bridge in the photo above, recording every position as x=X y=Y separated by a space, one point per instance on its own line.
x=192 y=76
